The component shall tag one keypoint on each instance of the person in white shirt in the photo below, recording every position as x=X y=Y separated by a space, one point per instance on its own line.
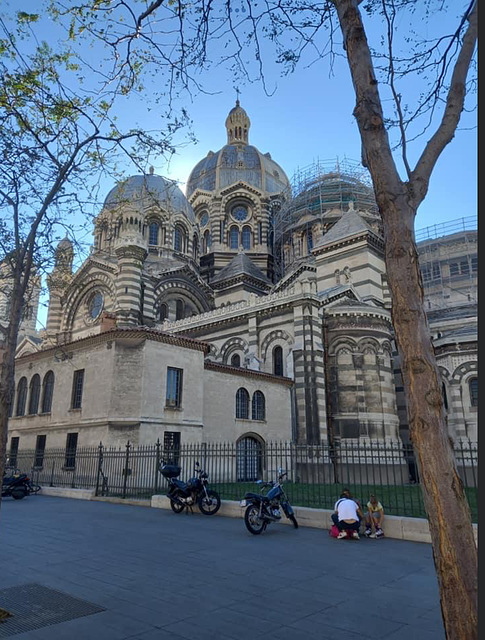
x=347 y=516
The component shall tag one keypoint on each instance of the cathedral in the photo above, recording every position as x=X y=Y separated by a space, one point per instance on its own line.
x=242 y=311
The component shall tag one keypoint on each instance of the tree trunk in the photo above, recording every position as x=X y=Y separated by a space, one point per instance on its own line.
x=452 y=536
x=7 y=369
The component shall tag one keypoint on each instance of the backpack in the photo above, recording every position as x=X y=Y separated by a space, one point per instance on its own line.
x=334 y=531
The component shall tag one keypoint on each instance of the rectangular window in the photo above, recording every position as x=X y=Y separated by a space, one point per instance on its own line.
x=474 y=263
x=465 y=267
x=71 y=446
x=39 y=451
x=174 y=387
x=77 y=389
x=436 y=271
x=426 y=273
x=171 y=447
x=14 y=449
x=454 y=269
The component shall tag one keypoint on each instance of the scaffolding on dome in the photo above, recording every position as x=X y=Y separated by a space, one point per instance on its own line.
x=323 y=187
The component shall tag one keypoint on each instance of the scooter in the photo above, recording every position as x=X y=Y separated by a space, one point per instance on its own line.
x=262 y=509
x=18 y=485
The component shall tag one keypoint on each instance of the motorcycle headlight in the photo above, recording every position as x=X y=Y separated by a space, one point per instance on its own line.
x=242 y=503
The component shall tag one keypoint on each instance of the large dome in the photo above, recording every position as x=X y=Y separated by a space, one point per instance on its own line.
x=153 y=188
x=234 y=163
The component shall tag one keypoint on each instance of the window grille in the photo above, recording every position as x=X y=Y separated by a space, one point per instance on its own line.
x=258 y=406
x=171 y=447
x=77 y=389
x=278 y=361
x=48 y=392
x=39 y=451
x=473 y=386
x=34 y=395
x=174 y=387
x=309 y=241
x=234 y=238
x=242 y=404
x=71 y=446
x=179 y=239
x=21 y=396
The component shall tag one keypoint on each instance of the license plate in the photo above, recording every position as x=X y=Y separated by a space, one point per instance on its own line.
x=242 y=503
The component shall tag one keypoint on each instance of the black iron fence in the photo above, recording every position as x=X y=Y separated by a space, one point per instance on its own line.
x=316 y=473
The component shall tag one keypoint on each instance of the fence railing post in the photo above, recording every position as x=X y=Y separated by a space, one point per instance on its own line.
x=157 y=464
x=100 y=466
x=125 y=470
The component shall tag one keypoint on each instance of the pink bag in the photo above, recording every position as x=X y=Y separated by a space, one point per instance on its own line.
x=334 y=531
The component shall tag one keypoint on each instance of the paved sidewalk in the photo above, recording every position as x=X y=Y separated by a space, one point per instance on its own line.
x=163 y=576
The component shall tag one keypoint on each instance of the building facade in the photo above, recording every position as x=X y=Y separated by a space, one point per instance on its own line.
x=247 y=311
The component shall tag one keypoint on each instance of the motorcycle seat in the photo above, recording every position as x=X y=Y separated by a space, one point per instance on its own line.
x=256 y=496
x=180 y=484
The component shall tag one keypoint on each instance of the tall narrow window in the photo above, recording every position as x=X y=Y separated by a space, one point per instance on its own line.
x=14 y=450
x=154 y=233
x=34 y=395
x=258 y=406
x=163 y=312
x=39 y=451
x=171 y=447
x=473 y=386
x=242 y=404
x=77 y=389
x=174 y=387
x=71 y=447
x=21 y=396
x=207 y=241
x=234 y=238
x=47 y=392
x=309 y=241
x=195 y=246
x=445 y=396
x=278 y=361
x=179 y=239
x=179 y=309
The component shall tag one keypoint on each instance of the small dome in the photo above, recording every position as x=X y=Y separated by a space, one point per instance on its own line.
x=151 y=188
x=237 y=125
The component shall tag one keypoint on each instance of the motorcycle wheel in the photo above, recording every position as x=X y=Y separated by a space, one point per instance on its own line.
x=18 y=494
x=210 y=504
x=294 y=520
x=176 y=506
x=252 y=520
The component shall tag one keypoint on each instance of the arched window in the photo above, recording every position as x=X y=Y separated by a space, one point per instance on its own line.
x=179 y=239
x=246 y=237
x=249 y=459
x=34 y=395
x=163 y=312
x=179 y=309
x=236 y=360
x=242 y=404
x=207 y=241
x=21 y=396
x=258 y=406
x=473 y=387
x=153 y=234
x=278 y=361
x=48 y=391
x=233 y=238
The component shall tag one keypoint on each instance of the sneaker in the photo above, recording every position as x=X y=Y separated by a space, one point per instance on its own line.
x=342 y=534
x=368 y=532
x=355 y=535
x=372 y=535
x=379 y=533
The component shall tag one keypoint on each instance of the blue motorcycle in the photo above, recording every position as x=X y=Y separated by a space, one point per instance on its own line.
x=264 y=508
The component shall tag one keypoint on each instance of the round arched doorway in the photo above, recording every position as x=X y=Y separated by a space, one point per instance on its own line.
x=249 y=459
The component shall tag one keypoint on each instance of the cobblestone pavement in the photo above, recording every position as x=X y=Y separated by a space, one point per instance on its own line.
x=163 y=576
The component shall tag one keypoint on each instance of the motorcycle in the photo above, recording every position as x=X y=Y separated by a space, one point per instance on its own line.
x=18 y=485
x=183 y=495
x=264 y=508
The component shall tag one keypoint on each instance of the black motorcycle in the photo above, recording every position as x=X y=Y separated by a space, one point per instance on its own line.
x=18 y=485
x=183 y=495
x=264 y=508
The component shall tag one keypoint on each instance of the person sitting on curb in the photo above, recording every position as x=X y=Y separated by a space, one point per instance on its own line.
x=347 y=516
x=374 y=518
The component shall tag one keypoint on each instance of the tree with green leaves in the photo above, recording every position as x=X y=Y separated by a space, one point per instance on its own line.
x=58 y=138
